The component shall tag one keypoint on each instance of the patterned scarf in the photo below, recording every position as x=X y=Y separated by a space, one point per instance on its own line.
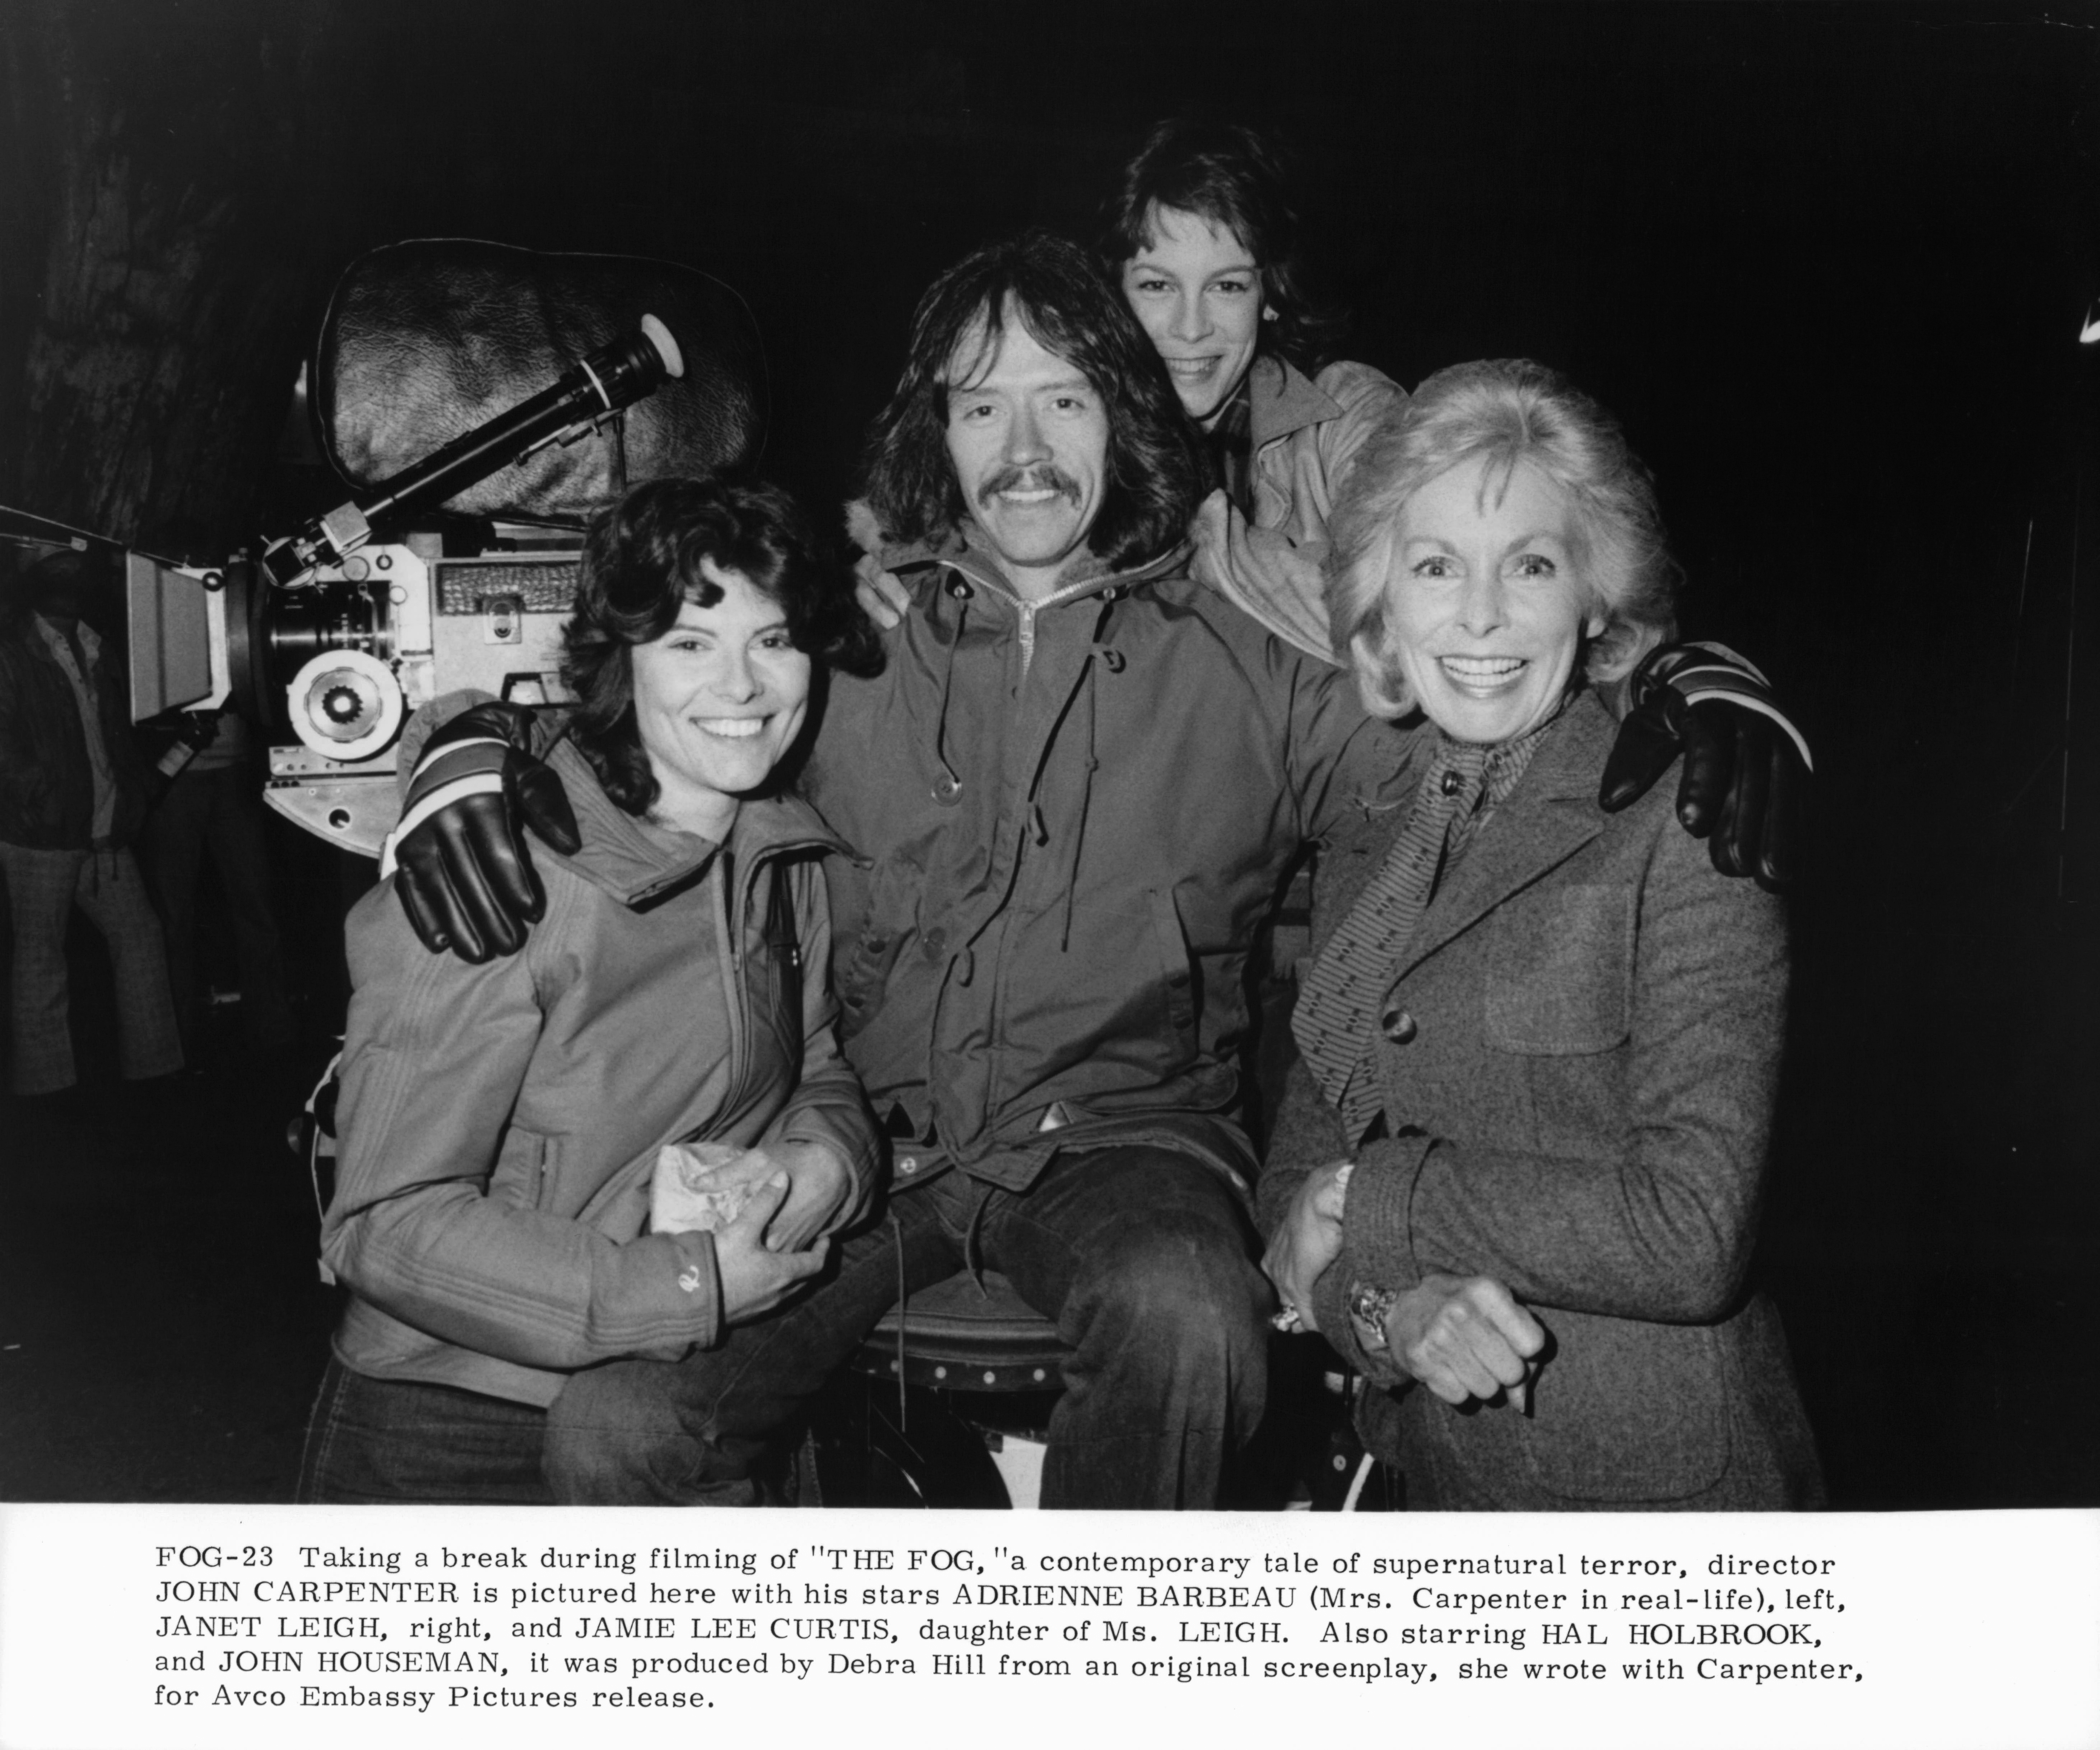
x=1338 y=1007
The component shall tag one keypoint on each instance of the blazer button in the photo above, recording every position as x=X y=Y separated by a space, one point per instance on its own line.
x=907 y=1164
x=935 y=944
x=947 y=789
x=1397 y=1024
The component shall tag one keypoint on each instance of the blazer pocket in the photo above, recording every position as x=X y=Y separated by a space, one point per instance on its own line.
x=1560 y=972
x=1627 y=1411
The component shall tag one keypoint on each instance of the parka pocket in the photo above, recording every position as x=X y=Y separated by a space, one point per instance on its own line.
x=1176 y=968
x=1560 y=972
x=524 y=1174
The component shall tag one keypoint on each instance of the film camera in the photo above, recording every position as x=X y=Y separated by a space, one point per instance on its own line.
x=454 y=564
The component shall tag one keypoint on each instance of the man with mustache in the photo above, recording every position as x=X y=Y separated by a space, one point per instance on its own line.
x=1070 y=796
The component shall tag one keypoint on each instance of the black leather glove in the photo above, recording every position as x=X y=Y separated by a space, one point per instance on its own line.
x=463 y=873
x=1745 y=779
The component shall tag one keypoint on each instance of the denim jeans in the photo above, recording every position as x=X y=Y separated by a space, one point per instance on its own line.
x=1143 y=1258
x=396 y=1440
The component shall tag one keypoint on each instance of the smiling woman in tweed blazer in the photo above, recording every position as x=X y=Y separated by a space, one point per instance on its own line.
x=1516 y=1176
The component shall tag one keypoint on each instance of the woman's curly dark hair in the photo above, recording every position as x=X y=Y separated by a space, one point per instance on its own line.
x=1156 y=474
x=642 y=562
x=1233 y=177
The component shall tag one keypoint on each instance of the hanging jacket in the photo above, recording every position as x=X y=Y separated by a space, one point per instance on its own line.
x=1066 y=820
x=46 y=782
x=499 y=1123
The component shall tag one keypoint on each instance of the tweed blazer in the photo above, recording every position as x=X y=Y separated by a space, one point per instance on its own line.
x=1579 y=1106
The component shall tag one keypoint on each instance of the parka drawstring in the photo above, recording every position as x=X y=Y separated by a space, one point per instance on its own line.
x=972 y=1262
x=1100 y=654
x=973 y=1242
x=949 y=784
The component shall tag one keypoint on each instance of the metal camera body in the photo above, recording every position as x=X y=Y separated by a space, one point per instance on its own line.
x=332 y=672
x=382 y=634
x=454 y=566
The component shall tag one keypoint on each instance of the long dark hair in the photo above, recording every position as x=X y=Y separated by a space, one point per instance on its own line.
x=1234 y=177
x=1156 y=474
x=642 y=562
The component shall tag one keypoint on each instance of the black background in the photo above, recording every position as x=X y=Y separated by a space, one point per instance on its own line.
x=1829 y=263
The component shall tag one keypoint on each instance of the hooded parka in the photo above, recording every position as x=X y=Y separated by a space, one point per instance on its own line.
x=1067 y=818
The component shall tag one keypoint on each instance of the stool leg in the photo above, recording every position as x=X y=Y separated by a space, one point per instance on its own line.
x=1020 y=1461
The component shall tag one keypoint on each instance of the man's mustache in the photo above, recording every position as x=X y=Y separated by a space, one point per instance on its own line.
x=1037 y=479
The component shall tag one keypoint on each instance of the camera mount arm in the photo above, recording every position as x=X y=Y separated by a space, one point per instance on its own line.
x=617 y=375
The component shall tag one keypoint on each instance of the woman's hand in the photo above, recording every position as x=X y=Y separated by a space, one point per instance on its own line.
x=1307 y=1241
x=1465 y=1337
x=755 y=1279
x=880 y=595
x=820 y=1188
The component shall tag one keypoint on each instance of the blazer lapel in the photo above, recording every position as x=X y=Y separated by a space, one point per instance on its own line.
x=1551 y=814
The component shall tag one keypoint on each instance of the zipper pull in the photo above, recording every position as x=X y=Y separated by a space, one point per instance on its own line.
x=727 y=868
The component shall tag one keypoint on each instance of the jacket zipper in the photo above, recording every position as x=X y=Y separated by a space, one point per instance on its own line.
x=1027 y=609
x=735 y=888
x=1030 y=824
x=739 y=1018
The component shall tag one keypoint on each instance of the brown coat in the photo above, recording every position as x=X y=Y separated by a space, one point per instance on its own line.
x=1582 y=1113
